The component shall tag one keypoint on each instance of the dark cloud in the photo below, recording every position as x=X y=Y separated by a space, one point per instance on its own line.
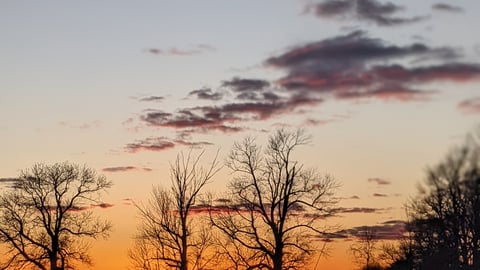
x=206 y=93
x=125 y=169
x=355 y=66
x=224 y=117
x=82 y=208
x=379 y=195
x=103 y=205
x=470 y=105
x=241 y=85
x=367 y=210
x=379 y=181
x=197 y=117
x=150 y=144
x=389 y=230
x=152 y=98
x=382 y=14
x=447 y=7
x=10 y=182
x=160 y=144
x=334 y=8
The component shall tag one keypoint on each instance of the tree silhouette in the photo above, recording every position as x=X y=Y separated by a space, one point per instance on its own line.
x=445 y=217
x=45 y=218
x=365 y=249
x=168 y=238
x=271 y=219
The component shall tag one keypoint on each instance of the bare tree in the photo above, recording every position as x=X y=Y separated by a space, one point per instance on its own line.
x=168 y=237
x=365 y=249
x=271 y=220
x=45 y=218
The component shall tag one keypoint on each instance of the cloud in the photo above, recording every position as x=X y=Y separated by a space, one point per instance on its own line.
x=159 y=144
x=447 y=7
x=224 y=117
x=128 y=201
x=10 y=182
x=206 y=93
x=354 y=210
x=150 y=144
x=356 y=66
x=88 y=125
x=389 y=230
x=379 y=195
x=174 y=51
x=346 y=67
x=125 y=169
x=103 y=205
x=382 y=14
x=241 y=85
x=152 y=98
x=379 y=181
x=470 y=105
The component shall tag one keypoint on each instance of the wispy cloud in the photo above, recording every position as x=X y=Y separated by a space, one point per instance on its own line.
x=87 y=125
x=175 y=51
x=152 y=98
x=447 y=7
x=372 y=11
x=354 y=210
x=470 y=106
x=206 y=93
x=379 y=181
x=125 y=169
x=160 y=144
x=103 y=205
x=150 y=144
x=82 y=208
x=128 y=201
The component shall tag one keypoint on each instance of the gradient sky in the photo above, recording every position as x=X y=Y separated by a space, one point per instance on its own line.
x=384 y=88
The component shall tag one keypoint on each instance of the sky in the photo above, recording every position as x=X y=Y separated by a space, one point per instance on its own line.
x=385 y=89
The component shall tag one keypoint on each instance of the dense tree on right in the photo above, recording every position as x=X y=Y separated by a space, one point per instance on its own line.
x=444 y=226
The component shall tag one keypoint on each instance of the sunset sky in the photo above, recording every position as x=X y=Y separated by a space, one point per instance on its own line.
x=385 y=89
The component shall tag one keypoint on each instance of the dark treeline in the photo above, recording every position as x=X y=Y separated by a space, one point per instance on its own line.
x=443 y=220
x=272 y=216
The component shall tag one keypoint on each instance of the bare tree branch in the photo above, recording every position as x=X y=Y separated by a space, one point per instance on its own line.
x=167 y=237
x=38 y=224
x=267 y=223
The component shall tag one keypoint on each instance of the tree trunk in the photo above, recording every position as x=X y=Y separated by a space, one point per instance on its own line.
x=183 y=252
x=278 y=257
x=54 y=254
x=53 y=261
